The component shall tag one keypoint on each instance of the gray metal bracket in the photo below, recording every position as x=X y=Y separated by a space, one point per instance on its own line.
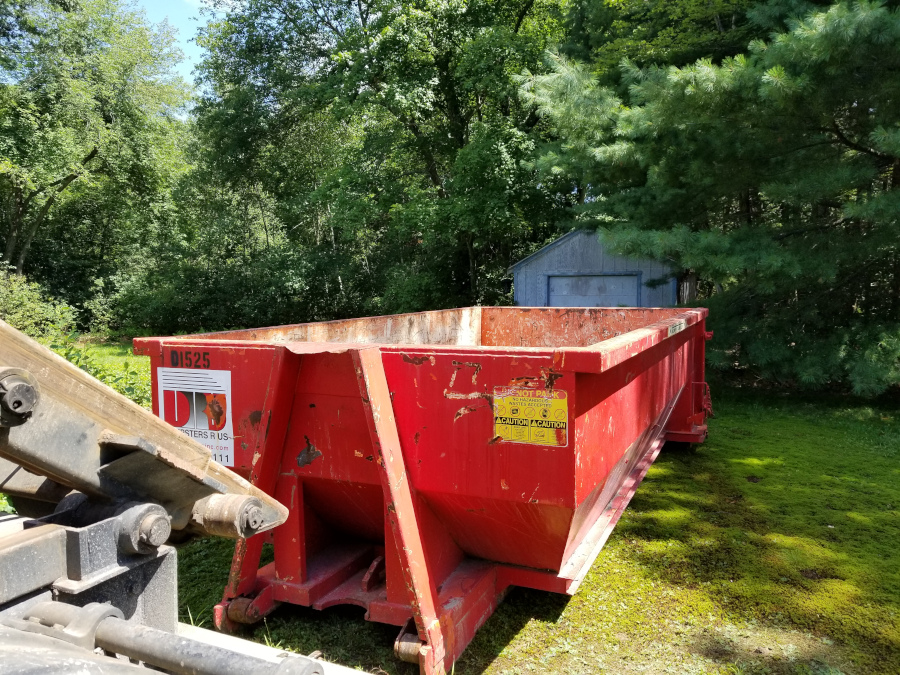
x=75 y=625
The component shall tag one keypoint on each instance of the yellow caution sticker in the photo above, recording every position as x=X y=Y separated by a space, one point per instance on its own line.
x=534 y=416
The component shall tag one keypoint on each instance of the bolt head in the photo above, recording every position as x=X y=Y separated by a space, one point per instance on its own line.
x=155 y=530
x=19 y=396
x=252 y=519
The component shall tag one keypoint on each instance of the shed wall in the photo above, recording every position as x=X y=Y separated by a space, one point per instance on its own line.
x=582 y=254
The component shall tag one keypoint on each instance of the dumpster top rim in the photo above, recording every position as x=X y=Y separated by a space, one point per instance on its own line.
x=596 y=357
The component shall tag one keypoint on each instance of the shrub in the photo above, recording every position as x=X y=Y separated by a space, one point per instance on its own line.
x=27 y=306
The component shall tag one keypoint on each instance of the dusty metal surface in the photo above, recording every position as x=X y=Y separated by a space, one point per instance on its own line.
x=466 y=327
x=442 y=327
x=561 y=326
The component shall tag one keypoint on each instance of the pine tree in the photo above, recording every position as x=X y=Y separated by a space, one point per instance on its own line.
x=772 y=176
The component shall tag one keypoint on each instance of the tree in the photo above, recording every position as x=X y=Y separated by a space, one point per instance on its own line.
x=672 y=32
x=772 y=176
x=93 y=96
x=420 y=193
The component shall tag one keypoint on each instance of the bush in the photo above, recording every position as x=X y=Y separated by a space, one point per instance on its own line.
x=27 y=306
x=128 y=378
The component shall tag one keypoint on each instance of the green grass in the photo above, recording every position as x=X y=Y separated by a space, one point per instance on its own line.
x=113 y=364
x=117 y=355
x=772 y=548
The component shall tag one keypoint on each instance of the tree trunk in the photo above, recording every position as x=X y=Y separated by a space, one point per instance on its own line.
x=60 y=186
x=687 y=287
x=473 y=276
x=38 y=221
x=12 y=237
x=15 y=225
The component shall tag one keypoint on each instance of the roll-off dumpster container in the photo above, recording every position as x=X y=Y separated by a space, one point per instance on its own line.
x=432 y=460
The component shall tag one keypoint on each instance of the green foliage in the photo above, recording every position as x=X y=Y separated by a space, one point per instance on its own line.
x=88 y=103
x=675 y=32
x=389 y=140
x=771 y=176
x=27 y=306
x=127 y=375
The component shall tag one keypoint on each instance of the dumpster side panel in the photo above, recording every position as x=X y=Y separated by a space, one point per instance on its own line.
x=443 y=327
x=496 y=499
x=443 y=405
x=529 y=535
x=615 y=407
x=250 y=369
x=563 y=327
x=328 y=438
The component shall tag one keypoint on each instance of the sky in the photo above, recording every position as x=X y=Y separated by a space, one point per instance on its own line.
x=184 y=15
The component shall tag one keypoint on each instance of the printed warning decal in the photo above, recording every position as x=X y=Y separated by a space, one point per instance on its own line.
x=535 y=416
x=198 y=403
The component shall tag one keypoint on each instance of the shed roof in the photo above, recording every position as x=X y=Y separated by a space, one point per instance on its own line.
x=543 y=250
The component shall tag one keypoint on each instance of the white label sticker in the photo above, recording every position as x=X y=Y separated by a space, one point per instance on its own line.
x=198 y=403
x=677 y=328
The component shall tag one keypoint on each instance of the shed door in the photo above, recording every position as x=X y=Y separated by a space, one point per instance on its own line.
x=594 y=291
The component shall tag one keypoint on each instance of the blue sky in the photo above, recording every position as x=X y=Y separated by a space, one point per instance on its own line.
x=185 y=16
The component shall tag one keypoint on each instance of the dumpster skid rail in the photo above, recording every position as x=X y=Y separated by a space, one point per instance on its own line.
x=431 y=461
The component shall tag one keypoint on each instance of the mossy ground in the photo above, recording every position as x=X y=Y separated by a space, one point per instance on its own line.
x=772 y=548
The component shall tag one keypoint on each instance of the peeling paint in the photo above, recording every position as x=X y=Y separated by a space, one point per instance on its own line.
x=455 y=395
x=308 y=454
x=546 y=380
x=418 y=360
x=464 y=411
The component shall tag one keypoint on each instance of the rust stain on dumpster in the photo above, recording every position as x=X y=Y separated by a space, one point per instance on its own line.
x=418 y=360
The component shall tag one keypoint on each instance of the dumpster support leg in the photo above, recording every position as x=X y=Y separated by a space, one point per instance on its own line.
x=400 y=505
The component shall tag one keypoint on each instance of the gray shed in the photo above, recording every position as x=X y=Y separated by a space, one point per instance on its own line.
x=575 y=271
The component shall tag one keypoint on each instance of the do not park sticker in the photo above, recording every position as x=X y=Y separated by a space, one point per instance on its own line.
x=533 y=416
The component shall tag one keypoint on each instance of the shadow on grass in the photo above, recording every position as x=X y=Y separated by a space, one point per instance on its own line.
x=341 y=633
x=787 y=520
x=521 y=606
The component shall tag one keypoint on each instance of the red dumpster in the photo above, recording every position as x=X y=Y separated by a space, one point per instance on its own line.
x=432 y=460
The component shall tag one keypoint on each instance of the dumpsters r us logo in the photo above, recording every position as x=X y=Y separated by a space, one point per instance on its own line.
x=198 y=403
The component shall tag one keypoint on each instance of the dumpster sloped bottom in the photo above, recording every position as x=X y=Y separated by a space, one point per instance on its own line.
x=430 y=461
